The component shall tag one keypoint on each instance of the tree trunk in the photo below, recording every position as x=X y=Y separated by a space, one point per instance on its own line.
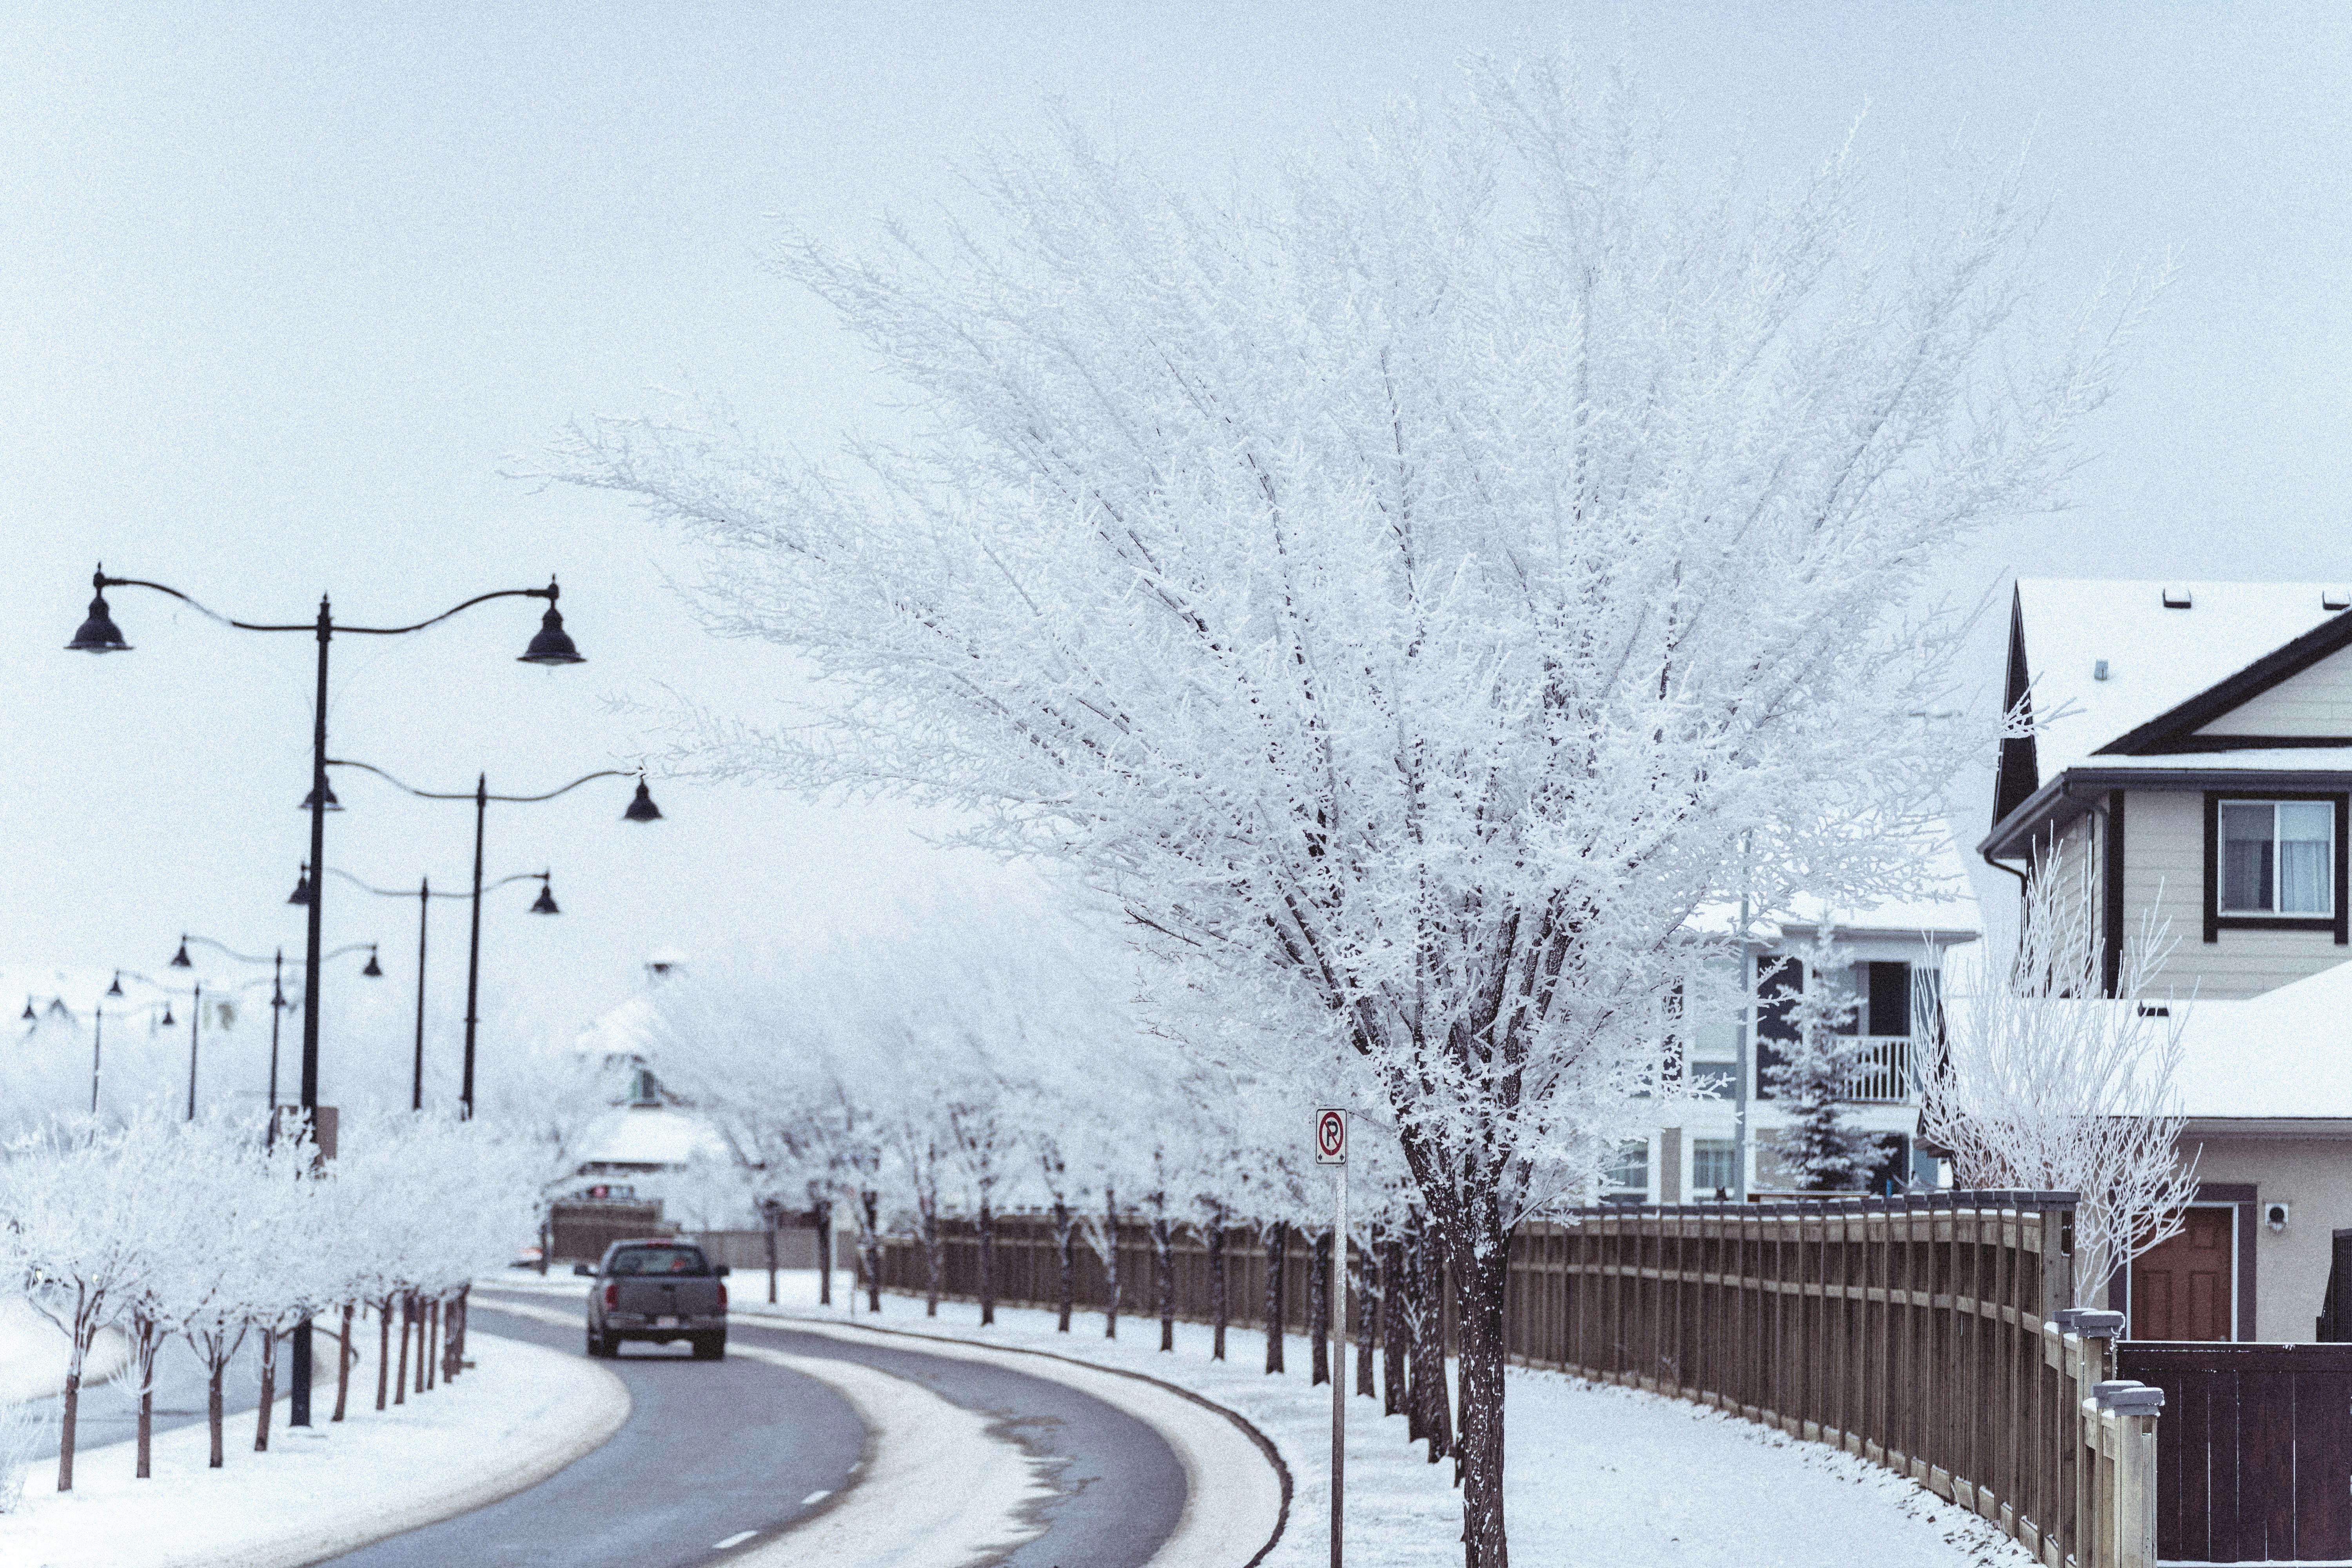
x=464 y=1307
x=934 y=1258
x=382 y=1349
x=1065 y=1231
x=342 y=1364
x=1368 y=1307
x=428 y=1345
x=268 y=1390
x=1277 y=1246
x=768 y=1232
x=143 y=1337
x=1318 y=1314
x=1217 y=1313
x=214 y=1414
x=870 y=1249
x=65 y=1427
x=1111 y=1263
x=1481 y=1273
x=1163 y=1260
x=822 y=1210
x=400 y=1384
x=987 y=1262
x=1396 y=1355
x=1427 y=1389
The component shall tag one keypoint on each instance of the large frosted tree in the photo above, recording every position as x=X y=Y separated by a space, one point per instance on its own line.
x=1406 y=595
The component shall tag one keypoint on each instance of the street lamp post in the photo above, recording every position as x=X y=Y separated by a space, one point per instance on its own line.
x=640 y=809
x=277 y=961
x=98 y=634
x=423 y=897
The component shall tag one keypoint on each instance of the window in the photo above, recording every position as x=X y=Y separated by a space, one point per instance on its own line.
x=2278 y=857
x=1631 y=1174
x=1714 y=1167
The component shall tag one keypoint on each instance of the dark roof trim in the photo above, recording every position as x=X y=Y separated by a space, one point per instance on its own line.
x=2167 y=730
x=2050 y=807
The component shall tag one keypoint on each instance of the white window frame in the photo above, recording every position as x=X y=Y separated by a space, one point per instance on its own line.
x=2278 y=863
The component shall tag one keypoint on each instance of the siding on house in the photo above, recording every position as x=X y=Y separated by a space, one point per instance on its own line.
x=2314 y=1177
x=2316 y=703
x=2164 y=874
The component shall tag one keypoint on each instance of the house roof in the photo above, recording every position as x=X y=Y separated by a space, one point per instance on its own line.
x=650 y=1135
x=2285 y=1054
x=2158 y=659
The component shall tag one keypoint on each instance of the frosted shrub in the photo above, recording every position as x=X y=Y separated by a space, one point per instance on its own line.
x=23 y=1432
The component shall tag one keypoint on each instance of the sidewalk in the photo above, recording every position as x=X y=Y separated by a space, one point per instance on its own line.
x=520 y=1415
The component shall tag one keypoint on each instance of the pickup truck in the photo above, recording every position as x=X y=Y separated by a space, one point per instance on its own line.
x=658 y=1291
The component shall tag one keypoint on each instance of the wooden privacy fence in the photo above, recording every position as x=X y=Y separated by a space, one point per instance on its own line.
x=2254 y=1461
x=1929 y=1334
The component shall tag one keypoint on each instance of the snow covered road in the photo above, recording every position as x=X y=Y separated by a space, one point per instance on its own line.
x=805 y=1448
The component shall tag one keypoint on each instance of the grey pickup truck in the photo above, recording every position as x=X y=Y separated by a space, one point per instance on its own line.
x=658 y=1291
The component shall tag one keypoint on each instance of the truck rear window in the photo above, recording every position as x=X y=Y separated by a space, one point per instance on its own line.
x=659 y=1260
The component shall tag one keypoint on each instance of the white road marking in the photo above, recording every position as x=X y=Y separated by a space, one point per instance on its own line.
x=737 y=1538
x=818 y=1496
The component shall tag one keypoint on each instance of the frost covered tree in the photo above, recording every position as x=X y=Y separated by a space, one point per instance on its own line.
x=1814 y=1073
x=1404 y=594
x=2047 y=1084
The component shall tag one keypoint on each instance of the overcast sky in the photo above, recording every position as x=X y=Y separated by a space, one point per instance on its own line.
x=283 y=288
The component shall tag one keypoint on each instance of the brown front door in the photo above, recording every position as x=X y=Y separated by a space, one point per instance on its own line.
x=2180 y=1288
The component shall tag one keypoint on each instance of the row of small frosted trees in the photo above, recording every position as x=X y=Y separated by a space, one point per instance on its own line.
x=983 y=1054
x=219 y=1232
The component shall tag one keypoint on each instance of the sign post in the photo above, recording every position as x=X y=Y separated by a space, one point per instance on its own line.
x=1331 y=1149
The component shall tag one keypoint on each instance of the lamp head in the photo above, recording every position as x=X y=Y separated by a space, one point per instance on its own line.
x=180 y=959
x=643 y=808
x=167 y=1014
x=332 y=804
x=29 y=1015
x=99 y=634
x=552 y=645
x=302 y=894
x=116 y=989
x=545 y=904
x=374 y=970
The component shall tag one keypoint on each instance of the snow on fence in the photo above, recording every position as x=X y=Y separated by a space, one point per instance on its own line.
x=1929 y=1334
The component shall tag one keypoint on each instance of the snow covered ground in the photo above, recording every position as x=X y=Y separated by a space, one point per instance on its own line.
x=1597 y=1474
x=518 y=1416
x=33 y=1354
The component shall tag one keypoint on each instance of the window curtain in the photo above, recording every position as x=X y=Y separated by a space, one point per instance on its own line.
x=2306 y=857
x=2246 y=856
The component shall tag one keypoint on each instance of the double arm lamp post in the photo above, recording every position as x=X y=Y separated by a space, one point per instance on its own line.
x=98 y=634
x=641 y=809
x=277 y=1003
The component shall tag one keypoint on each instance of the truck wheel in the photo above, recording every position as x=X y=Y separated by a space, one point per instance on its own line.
x=709 y=1347
x=596 y=1346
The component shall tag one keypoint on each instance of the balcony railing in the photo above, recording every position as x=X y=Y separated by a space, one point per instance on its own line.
x=1885 y=1075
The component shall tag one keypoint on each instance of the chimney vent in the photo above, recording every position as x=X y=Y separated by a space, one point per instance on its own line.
x=2176 y=598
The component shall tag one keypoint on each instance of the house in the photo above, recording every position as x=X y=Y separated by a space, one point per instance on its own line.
x=646 y=1145
x=2192 y=760
x=1886 y=961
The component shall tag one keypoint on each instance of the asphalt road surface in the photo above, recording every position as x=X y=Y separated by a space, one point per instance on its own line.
x=734 y=1451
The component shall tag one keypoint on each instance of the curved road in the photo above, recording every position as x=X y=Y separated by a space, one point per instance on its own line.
x=719 y=1458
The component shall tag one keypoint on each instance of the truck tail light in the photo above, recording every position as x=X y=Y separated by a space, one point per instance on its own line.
x=611 y=1294
x=722 y=1295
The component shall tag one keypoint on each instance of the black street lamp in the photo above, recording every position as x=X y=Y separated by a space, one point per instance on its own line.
x=641 y=809
x=424 y=895
x=99 y=634
x=277 y=1003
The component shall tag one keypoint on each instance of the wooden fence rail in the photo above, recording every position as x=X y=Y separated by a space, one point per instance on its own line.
x=1929 y=1334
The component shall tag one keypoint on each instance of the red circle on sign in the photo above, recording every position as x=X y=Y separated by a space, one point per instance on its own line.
x=1330 y=1132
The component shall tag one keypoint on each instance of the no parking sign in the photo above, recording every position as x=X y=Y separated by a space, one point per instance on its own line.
x=1330 y=1137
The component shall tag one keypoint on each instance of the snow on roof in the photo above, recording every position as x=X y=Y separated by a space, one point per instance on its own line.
x=2157 y=657
x=2286 y=1053
x=650 y=1135
x=628 y=1029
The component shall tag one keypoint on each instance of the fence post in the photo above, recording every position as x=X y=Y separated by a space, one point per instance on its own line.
x=2128 y=1417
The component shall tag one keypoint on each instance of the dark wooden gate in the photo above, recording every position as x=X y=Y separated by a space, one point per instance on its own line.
x=2254 y=1452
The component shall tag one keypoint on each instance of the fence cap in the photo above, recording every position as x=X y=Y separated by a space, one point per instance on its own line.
x=2092 y=1325
x=2127 y=1397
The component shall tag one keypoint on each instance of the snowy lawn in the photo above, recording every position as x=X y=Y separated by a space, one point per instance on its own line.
x=520 y=1414
x=33 y=1353
x=1598 y=1475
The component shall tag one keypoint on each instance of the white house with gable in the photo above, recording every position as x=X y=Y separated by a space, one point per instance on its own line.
x=2193 y=759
